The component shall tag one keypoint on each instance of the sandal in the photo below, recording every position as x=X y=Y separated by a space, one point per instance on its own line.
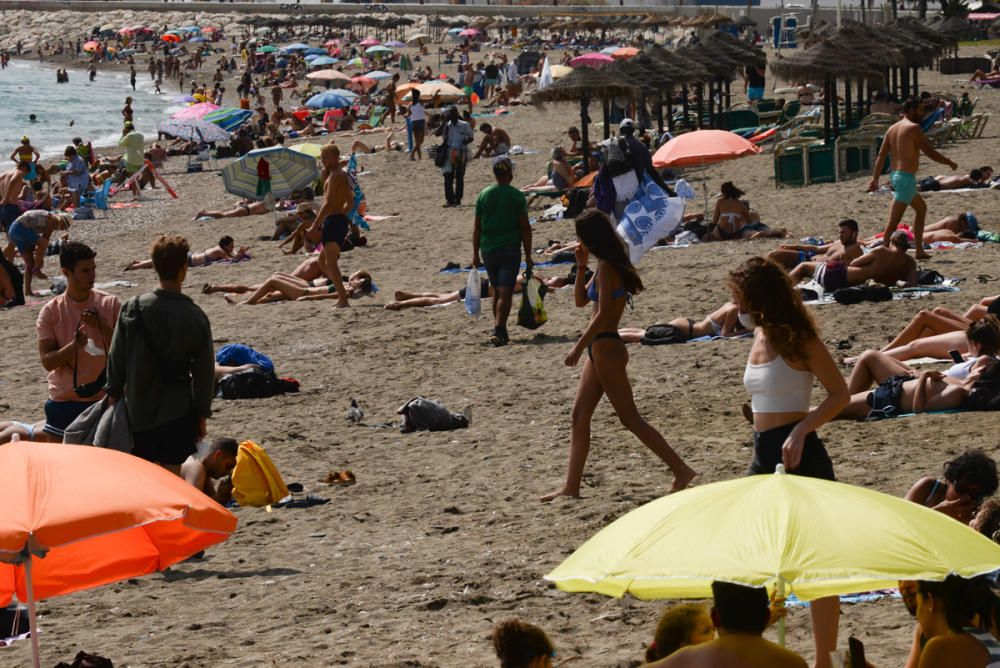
x=345 y=477
x=206 y=288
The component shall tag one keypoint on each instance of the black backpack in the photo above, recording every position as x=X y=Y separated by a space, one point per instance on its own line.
x=254 y=384
x=576 y=202
x=619 y=157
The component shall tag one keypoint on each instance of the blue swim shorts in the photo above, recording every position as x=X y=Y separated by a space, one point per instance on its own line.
x=904 y=186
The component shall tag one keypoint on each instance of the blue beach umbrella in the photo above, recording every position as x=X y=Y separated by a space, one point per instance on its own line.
x=377 y=49
x=298 y=46
x=228 y=118
x=323 y=61
x=378 y=75
x=317 y=51
x=197 y=39
x=290 y=170
x=328 y=100
x=183 y=98
x=343 y=92
x=311 y=57
x=193 y=129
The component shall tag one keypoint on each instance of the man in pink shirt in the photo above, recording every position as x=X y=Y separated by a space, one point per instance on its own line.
x=74 y=334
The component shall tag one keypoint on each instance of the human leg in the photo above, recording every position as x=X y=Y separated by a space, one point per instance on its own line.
x=588 y=394
x=920 y=215
x=275 y=284
x=936 y=346
x=927 y=323
x=873 y=367
x=449 y=187
x=503 y=297
x=786 y=258
x=459 y=169
x=802 y=271
x=631 y=334
x=895 y=215
x=825 y=622
x=611 y=360
x=422 y=300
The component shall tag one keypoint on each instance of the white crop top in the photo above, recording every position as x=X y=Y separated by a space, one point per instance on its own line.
x=775 y=387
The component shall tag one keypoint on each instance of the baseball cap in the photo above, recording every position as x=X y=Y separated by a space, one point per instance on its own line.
x=626 y=123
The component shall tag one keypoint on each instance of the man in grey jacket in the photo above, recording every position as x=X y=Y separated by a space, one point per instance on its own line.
x=161 y=361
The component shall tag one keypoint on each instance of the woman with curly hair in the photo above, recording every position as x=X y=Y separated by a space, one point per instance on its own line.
x=613 y=283
x=786 y=356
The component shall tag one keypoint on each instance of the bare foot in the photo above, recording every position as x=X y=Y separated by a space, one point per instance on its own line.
x=206 y=288
x=923 y=255
x=39 y=274
x=393 y=306
x=398 y=295
x=561 y=492
x=849 y=361
x=230 y=299
x=682 y=479
x=130 y=266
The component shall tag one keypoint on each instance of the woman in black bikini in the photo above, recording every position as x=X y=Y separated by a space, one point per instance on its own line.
x=604 y=369
x=969 y=479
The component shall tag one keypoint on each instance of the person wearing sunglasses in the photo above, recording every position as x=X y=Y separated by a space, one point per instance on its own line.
x=969 y=479
x=74 y=334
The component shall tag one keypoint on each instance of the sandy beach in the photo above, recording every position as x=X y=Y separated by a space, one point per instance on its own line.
x=443 y=535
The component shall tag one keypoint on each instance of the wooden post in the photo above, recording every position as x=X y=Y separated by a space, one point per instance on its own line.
x=826 y=110
x=700 y=106
x=659 y=110
x=584 y=127
x=847 y=103
x=861 y=99
x=606 y=108
x=670 y=111
x=686 y=107
x=916 y=82
x=835 y=106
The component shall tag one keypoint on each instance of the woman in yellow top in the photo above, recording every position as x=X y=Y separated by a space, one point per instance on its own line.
x=29 y=154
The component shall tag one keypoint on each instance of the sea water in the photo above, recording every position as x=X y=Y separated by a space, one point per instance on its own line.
x=93 y=107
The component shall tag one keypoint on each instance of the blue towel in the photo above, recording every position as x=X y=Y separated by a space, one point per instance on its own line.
x=237 y=354
x=548 y=263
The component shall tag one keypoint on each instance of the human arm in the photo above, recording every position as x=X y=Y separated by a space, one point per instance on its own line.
x=603 y=319
x=484 y=147
x=582 y=256
x=53 y=356
x=525 y=227
x=807 y=248
x=883 y=154
x=821 y=363
x=911 y=276
x=93 y=318
x=203 y=376
x=930 y=152
x=913 y=660
x=476 y=232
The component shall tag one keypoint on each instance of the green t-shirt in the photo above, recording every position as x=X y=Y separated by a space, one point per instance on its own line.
x=498 y=208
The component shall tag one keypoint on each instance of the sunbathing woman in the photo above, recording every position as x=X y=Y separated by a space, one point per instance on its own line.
x=900 y=393
x=734 y=219
x=403 y=299
x=279 y=288
x=559 y=175
x=360 y=147
x=942 y=234
x=309 y=274
x=604 y=370
x=245 y=207
x=724 y=321
x=225 y=250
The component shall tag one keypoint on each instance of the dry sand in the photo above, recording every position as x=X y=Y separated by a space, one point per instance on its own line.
x=443 y=535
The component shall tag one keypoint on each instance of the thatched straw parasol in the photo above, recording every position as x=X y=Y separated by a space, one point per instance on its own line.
x=955 y=27
x=736 y=50
x=582 y=85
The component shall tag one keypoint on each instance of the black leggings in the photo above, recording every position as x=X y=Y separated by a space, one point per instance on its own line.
x=598 y=337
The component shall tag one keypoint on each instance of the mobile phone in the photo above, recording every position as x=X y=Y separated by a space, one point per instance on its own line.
x=857 y=650
x=956 y=356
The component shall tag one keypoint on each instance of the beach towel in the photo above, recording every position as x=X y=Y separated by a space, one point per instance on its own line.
x=237 y=354
x=101 y=426
x=651 y=216
x=948 y=285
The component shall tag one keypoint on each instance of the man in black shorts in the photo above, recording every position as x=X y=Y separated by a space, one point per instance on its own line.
x=161 y=360
x=337 y=200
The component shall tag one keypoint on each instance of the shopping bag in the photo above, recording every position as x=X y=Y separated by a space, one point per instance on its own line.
x=473 y=299
x=532 y=313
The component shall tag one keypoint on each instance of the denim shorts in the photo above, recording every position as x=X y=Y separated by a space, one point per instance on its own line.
x=22 y=236
x=503 y=265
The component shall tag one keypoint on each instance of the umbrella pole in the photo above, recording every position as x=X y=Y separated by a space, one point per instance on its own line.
x=780 y=592
x=33 y=624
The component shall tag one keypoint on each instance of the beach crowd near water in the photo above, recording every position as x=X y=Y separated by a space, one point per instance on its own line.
x=433 y=181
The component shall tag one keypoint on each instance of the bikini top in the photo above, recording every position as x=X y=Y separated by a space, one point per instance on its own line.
x=592 y=293
x=775 y=387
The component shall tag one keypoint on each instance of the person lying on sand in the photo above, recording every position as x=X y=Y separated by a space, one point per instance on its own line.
x=954 y=229
x=734 y=219
x=723 y=321
x=360 y=147
x=280 y=288
x=245 y=207
x=942 y=346
x=209 y=472
x=969 y=479
x=976 y=178
x=309 y=273
x=403 y=299
x=882 y=265
x=930 y=323
x=24 y=431
x=898 y=392
x=846 y=249
x=224 y=250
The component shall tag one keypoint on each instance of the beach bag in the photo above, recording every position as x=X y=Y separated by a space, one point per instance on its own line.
x=619 y=157
x=575 y=202
x=256 y=481
x=648 y=218
x=441 y=156
x=254 y=384
x=422 y=414
x=929 y=277
x=85 y=660
x=473 y=298
x=532 y=313
x=83 y=212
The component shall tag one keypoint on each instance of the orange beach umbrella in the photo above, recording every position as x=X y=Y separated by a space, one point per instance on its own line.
x=703 y=147
x=74 y=517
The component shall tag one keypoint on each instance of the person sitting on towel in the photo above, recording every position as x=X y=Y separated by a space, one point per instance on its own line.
x=883 y=265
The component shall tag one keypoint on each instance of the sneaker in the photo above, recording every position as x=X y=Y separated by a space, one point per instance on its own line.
x=499 y=338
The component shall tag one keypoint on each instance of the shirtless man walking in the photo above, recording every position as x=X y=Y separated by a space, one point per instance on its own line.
x=846 y=249
x=332 y=216
x=906 y=141
x=885 y=265
x=11 y=184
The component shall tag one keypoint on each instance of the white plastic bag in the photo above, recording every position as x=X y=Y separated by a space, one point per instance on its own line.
x=473 y=298
x=648 y=218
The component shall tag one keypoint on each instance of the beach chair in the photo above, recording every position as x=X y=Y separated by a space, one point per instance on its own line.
x=99 y=197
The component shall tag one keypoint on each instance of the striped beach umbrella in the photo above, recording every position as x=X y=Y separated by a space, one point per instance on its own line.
x=288 y=170
x=228 y=118
x=193 y=129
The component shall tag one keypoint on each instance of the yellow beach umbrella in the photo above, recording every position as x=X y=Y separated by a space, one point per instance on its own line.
x=308 y=148
x=812 y=537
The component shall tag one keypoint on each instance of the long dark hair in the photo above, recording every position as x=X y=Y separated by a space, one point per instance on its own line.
x=766 y=292
x=518 y=643
x=985 y=392
x=594 y=230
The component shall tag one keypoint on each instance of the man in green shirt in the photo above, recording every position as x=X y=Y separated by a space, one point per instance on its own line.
x=500 y=231
x=161 y=360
